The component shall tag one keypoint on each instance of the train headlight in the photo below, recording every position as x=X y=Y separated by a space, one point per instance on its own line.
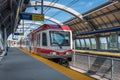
x=68 y=53
x=53 y=53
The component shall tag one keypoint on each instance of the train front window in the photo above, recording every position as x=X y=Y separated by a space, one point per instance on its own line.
x=59 y=38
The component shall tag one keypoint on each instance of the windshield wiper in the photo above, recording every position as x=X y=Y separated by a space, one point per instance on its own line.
x=57 y=44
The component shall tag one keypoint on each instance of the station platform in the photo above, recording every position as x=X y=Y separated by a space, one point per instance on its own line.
x=20 y=64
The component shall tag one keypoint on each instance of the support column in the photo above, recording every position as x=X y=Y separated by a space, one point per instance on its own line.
x=23 y=26
x=74 y=55
x=5 y=40
x=97 y=42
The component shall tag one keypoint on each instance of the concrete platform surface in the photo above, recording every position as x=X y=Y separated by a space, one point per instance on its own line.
x=20 y=66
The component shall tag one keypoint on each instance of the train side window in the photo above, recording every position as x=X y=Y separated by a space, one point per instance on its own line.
x=44 y=39
x=119 y=42
x=39 y=39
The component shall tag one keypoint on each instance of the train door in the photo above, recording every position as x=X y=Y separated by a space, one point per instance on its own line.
x=38 y=42
x=44 y=39
x=44 y=43
x=30 y=37
x=35 y=42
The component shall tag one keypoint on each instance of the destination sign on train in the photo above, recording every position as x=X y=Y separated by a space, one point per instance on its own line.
x=31 y=16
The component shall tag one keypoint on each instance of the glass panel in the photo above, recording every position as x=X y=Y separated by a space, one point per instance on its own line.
x=108 y=39
x=103 y=43
x=82 y=42
x=39 y=39
x=32 y=40
x=87 y=41
x=77 y=43
x=113 y=41
x=59 y=38
x=119 y=42
x=93 y=42
x=44 y=39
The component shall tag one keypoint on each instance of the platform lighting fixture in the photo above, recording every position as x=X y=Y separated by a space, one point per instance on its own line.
x=41 y=6
x=35 y=5
x=86 y=22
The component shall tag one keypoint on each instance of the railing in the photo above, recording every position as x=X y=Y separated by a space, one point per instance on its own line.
x=107 y=67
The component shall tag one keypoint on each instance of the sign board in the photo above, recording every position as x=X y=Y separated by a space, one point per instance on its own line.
x=38 y=17
x=21 y=34
x=30 y=16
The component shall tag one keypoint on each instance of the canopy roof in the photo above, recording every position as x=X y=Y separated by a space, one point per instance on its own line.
x=83 y=17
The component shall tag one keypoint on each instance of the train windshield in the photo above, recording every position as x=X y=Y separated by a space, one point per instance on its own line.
x=60 y=38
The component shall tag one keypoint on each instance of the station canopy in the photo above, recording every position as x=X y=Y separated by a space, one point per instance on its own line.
x=84 y=17
x=58 y=11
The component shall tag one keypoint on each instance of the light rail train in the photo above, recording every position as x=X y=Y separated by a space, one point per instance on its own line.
x=52 y=42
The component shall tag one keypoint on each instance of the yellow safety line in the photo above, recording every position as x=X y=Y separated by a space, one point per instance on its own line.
x=99 y=53
x=74 y=75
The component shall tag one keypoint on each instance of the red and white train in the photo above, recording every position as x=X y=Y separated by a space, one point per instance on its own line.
x=52 y=42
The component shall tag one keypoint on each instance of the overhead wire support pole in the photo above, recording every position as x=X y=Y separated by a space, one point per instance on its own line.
x=42 y=7
x=23 y=26
x=74 y=54
x=5 y=41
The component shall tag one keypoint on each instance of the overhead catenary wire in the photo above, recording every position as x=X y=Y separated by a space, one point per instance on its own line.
x=68 y=5
x=48 y=8
x=49 y=4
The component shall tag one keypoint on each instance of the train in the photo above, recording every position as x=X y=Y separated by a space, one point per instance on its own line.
x=53 y=42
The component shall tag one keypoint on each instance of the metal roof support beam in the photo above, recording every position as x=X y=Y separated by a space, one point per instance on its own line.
x=100 y=31
x=107 y=13
x=50 y=19
x=53 y=20
x=46 y=17
x=100 y=8
x=89 y=24
x=58 y=6
x=42 y=7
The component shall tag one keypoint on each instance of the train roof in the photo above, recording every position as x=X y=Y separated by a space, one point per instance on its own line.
x=51 y=27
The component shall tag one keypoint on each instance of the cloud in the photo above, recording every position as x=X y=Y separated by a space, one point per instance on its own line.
x=90 y=4
x=82 y=3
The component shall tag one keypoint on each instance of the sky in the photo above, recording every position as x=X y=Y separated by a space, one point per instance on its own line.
x=80 y=6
